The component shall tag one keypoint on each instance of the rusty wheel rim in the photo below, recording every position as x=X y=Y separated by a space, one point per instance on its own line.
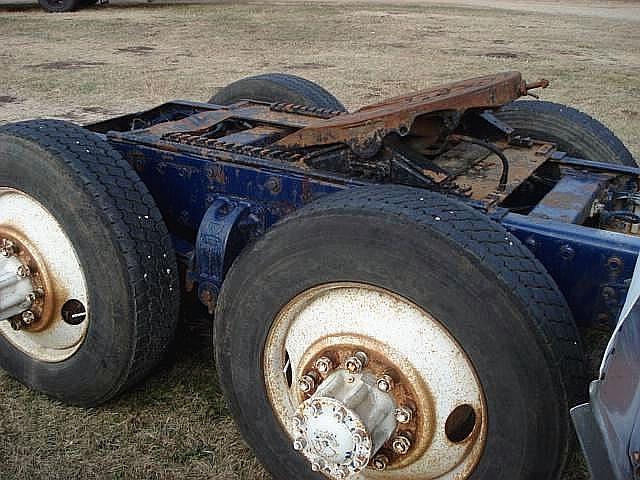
x=432 y=374
x=46 y=248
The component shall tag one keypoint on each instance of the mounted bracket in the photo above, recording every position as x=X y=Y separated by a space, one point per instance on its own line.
x=227 y=226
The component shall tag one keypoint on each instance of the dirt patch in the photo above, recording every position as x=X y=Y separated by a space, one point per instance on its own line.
x=66 y=65
x=310 y=66
x=136 y=50
x=8 y=99
x=499 y=55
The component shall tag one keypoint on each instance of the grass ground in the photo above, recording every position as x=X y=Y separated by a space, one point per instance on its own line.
x=127 y=56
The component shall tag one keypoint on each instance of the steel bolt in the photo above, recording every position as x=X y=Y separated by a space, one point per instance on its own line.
x=357 y=362
x=7 y=248
x=380 y=462
x=298 y=421
x=307 y=383
x=324 y=365
x=401 y=444
x=24 y=271
x=299 y=444
x=341 y=473
x=403 y=414
x=318 y=465
x=385 y=383
x=28 y=317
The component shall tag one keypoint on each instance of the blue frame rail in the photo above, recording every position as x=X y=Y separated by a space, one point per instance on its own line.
x=591 y=267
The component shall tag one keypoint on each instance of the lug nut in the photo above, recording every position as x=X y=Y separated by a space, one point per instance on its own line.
x=298 y=421
x=341 y=473
x=307 y=383
x=385 y=383
x=318 y=465
x=380 y=462
x=23 y=271
x=357 y=362
x=28 y=317
x=403 y=414
x=299 y=444
x=7 y=248
x=324 y=365
x=401 y=444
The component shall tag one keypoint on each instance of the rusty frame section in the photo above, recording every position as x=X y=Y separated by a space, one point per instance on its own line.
x=365 y=129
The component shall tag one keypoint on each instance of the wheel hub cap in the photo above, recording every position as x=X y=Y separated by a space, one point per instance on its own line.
x=16 y=290
x=344 y=424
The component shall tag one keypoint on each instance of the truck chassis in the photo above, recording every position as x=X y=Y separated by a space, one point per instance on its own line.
x=225 y=176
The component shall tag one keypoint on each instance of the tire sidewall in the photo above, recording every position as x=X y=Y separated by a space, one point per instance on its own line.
x=525 y=404
x=100 y=361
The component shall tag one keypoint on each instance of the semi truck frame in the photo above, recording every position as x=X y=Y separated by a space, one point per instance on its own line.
x=398 y=292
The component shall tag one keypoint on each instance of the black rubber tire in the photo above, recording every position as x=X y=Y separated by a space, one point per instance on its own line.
x=487 y=289
x=278 y=87
x=124 y=249
x=61 y=6
x=571 y=130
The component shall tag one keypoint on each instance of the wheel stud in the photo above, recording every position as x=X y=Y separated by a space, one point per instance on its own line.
x=307 y=383
x=403 y=414
x=357 y=362
x=28 y=317
x=380 y=462
x=7 y=248
x=401 y=444
x=324 y=365
x=385 y=383
x=23 y=271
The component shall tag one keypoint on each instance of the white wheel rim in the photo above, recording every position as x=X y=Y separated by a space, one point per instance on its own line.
x=441 y=374
x=23 y=217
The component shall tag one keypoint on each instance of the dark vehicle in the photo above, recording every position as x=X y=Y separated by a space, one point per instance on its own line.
x=397 y=291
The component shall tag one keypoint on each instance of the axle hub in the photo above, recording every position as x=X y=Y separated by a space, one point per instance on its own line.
x=344 y=424
x=17 y=293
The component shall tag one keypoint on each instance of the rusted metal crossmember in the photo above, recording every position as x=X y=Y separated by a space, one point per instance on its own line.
x=365 y=129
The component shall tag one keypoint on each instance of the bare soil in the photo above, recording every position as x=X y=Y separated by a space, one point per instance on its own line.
x=127 y=56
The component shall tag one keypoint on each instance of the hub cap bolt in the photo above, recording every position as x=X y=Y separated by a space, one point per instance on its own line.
x=403 y=414
x=385 y=383
x=28 y=317
x=401 y=444
x=380 y=462
x=356 y=363
x=7 y=248
x=307 y=383
x=324 y=365
x=23 y=271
